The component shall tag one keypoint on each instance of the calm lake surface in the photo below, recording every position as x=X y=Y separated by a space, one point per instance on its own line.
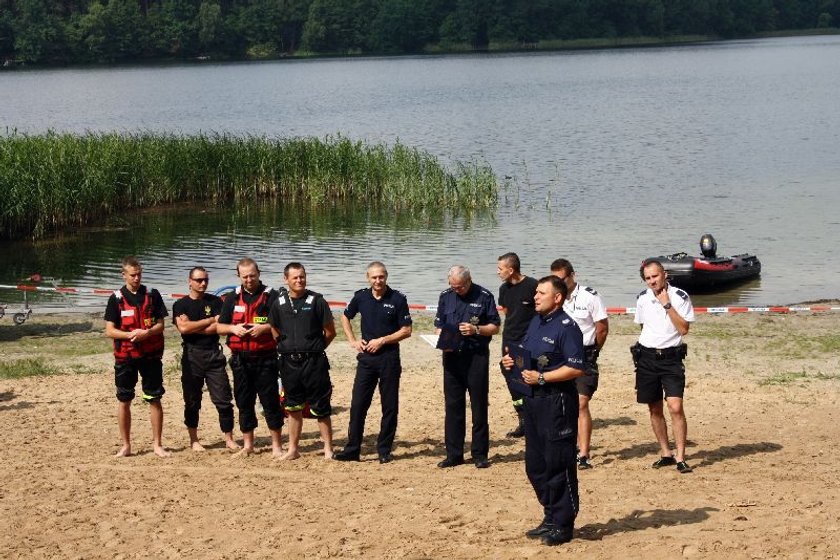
x=609 y=156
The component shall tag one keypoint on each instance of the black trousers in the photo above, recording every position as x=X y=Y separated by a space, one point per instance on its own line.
x=254 y=376
x=550 y=439
x=383 y=368
x=205 y=365
x=463 y=372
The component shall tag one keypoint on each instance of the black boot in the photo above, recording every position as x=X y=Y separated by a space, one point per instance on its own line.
x=519 y=431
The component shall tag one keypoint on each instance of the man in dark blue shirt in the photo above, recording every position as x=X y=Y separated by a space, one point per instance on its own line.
x=467 y=315
x=385 y=322
x=555 y=344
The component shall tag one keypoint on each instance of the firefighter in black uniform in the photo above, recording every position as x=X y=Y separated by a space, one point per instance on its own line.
x=555 y=345
x=385 y=322
x=469 y=311
x=134 y=320
x=303 y=326
x=244 y=319
x=194 y=316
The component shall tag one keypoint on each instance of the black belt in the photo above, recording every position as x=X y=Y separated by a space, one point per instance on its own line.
x=661 y=353
x=300 y=356
x=553 y=388
x=590 y=353
x=253 y=356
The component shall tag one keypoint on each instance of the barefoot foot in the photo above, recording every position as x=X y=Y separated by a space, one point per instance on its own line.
x=160 y=451
x=196 y=446
x=125 y=451
x=290 y=455
x=245 y=452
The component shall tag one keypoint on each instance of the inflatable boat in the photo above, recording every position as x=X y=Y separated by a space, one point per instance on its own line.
x=708 y=272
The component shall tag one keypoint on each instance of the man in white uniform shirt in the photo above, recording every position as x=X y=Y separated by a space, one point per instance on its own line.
x=665 y=313
x=586 y=307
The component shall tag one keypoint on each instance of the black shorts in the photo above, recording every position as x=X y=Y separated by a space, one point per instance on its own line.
x=655 y=376
x=587 y=383
x=306 y=379
x=150 y=371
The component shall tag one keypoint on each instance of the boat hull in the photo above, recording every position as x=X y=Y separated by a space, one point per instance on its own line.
x=700 y=274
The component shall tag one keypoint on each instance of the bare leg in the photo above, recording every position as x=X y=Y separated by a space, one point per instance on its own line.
x=156 y=416
x=195 y=445
x=276 y=439
x=247 y=444
x=295 y=429
x=679 y=424
x=325 y=427
x=660 y=429
x=124 y=422
x=584 y=426
x=230 y=443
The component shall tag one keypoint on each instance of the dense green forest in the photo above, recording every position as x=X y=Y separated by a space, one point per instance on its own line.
x=84 y=31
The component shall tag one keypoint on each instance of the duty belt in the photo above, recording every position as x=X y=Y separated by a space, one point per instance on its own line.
x=300 y=356
x=553 y=388
x=664 y=353
x=252 y=356
x=591 y=353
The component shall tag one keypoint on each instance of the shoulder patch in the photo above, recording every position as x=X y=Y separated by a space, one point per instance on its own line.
x=591 y=291
x=682 y=294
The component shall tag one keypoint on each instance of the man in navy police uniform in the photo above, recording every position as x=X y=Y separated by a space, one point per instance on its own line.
x=555 y=343
x=385 y=322
x=471 y=310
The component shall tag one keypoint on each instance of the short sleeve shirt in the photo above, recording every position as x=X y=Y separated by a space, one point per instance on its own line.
x=554 y=341
x=206 y=306
x=657 y=329
x=518 y=301
x=380 y=317
x=112 y=308
x=477 y=307
x=586 y=307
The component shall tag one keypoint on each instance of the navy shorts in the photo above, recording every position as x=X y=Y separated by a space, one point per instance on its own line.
x=658 y=376
x=150 y=370
x=587 y=383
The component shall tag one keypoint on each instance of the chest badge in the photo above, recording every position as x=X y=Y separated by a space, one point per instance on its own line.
x=474 y=319
x=520 y=362
x=542 y=361
x=206 y=310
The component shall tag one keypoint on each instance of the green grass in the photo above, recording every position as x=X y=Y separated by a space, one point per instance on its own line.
x=53 y=181
x=784 y=378
x=28 y=367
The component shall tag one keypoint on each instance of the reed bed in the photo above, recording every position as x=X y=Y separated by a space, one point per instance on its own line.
x=54 y=181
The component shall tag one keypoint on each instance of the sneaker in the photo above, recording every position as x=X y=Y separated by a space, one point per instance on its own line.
x=664 y=462
x=683 y=467
x=583 y=462
x=540 y=530
x=557 y=536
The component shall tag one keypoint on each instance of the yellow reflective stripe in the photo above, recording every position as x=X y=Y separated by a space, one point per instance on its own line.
x=149 y=397
x=519 y=402
x=317 y=414
x=294 y=408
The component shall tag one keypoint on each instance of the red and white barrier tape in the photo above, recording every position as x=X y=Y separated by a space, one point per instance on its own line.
x=432 y=308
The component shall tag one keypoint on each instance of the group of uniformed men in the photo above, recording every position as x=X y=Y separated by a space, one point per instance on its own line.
x=283 y=334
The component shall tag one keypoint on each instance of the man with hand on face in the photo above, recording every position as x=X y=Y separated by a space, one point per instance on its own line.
x=385 y=322
x=303 y=326
x=470 y=311
x=134 y=320
x=202 y=361
x=555 y=345
x=244 y=319
x=664 y=313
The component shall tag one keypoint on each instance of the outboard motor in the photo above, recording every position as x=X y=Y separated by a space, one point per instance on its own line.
x=708 y=246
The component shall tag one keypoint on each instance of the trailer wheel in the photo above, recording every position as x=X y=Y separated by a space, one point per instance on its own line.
x=19 y=318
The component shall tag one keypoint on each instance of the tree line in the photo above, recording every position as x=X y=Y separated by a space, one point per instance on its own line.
x=92 y=31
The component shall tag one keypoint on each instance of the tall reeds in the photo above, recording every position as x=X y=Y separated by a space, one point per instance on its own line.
x=52 y=181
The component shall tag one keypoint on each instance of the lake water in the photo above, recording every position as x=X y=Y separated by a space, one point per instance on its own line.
x=610 y=156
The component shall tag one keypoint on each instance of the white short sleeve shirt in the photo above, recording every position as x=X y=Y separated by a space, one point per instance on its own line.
x=657 y=329
x=586 y=307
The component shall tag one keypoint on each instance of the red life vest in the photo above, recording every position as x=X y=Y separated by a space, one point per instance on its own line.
x=245 y=314
x=137 y=318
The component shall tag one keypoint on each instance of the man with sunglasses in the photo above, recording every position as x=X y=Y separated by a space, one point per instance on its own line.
x=202 y=361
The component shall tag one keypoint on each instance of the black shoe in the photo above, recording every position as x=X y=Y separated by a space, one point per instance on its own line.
x=346 y=456
x=481 y=462
x=519 y=430
x=664 y=462
x=451 y=462
x=385 y=458
x=543 y=528
x=583 y=462
x=557 y=536
x=683 y=467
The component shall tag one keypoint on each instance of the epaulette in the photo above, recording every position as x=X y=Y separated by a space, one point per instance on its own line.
x=446 y=291
x=362 y=290
x=643 y=292
x=591 y=291
x=486 y=293
x=281 y=292
x=682 y=294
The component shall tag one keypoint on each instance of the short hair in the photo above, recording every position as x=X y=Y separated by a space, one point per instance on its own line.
x=556 y=283
x=377 y=264
x=292 y=265
x=511 y=259
x=651 y=262
x=131 y=261
x=459 y=272
x=193 y=269
x=562 y=265
x=246 y=261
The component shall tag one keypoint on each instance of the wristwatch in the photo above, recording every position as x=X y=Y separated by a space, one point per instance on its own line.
x=667 y=306
x=541 y=379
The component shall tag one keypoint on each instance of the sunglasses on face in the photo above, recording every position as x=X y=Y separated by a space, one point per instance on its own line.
x=200 y=280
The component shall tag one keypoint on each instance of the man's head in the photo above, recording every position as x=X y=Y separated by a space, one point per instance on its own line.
x=295 y=276
x=508 y=265
x=654 y=275
x=550 y=295
x=563 y=269
x=249 y=273
x=132 y=273
x=460 y=279
x=377 y=276
x=198 y=279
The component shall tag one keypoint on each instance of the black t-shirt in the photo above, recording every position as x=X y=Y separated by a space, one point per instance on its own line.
x=518 y=301
x=112 y=309
x=232 y=298
x=380 y=317
x=196 y=310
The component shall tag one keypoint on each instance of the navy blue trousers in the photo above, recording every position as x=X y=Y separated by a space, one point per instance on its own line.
x=382 y=368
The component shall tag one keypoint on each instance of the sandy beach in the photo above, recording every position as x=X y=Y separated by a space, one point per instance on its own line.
x=761 y=403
